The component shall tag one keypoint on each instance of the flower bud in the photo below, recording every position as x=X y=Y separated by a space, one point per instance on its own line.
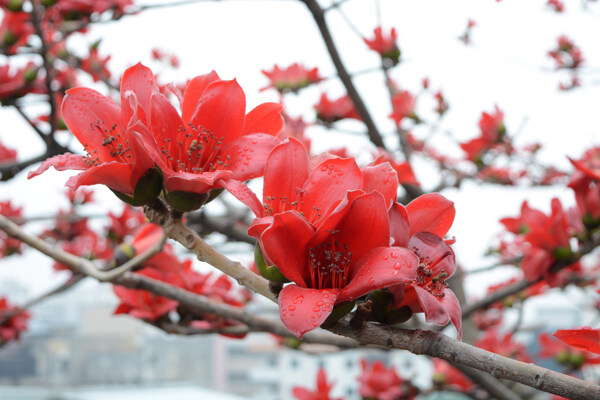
x=186 y=201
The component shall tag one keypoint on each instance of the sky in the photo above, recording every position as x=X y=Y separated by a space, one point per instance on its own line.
x=506 y=65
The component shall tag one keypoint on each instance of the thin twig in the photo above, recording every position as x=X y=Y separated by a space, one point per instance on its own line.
x=500 y=294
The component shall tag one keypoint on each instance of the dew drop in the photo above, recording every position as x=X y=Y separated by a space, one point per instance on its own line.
x=292 y=308
x=397 y=266
x=372 y=281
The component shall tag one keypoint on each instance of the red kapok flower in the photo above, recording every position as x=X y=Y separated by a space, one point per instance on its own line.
x=12 y=323
x=320 y=393
x=446 y=375
x=556 y=5
x=213 y=143
x=379 y=382
x=111 y=136
x=289 y=184
x=346 y=257
x=503 y=344
x=564 y=353
x=330 y=111
x=586 y=338
x=428 y=292
x=143 y=304
x=385 y=45
x=403 y=106
x=7 y=154
x=292 y=78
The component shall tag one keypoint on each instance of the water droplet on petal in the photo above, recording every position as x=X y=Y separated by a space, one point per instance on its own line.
x=291 y=308
x=397 y=266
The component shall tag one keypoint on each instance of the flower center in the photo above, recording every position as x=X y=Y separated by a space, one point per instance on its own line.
x=117 y=147
x=434 y=284
x=329 y=264
x=195 y=150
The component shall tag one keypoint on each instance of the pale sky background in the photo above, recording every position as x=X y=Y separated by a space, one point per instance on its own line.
x=506 y=64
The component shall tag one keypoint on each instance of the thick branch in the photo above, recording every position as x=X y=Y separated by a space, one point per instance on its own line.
x=436 y=344
x=319 y=17
x=490 y=384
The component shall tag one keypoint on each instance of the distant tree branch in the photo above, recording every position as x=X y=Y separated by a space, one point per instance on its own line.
x=319 y=16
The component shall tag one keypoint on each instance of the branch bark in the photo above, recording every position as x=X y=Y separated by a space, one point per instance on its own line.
x=436 y=344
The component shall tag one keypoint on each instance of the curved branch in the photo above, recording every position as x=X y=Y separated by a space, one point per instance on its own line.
x=436 y=344
x=319 y=16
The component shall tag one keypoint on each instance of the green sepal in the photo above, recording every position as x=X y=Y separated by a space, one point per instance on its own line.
x=576 y=360
x=381 y=301
x=15 y=5
x=214 y=194
x=124 y=253
x=270 y=273
x=338 y=312
x=398 y=315
x=562 y=253
x=292 y=343
x=186 y=201
x=393 y=55
x=147 y=189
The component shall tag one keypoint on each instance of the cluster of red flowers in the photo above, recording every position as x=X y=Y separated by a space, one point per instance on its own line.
x=328 y=229
x=13 y=321
x=568 y=56
x=56 y=20
x=166 y=267
x=376 y=382
x=145 y=146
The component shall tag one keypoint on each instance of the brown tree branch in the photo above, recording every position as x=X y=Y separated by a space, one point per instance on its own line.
x=429 y=343
x=436 y=344
x=319 y=16
x=487 y=382
x=178 y=231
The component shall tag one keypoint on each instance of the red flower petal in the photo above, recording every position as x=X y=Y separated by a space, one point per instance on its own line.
x=431 y=212
x=302 y=310
x=365 y=227
x=435 y=312
x=193 y=93
x=139 y=80
x=222 y=110
x=382 y=178
x=328 y=184
x=433 y=248
x=61 y=162
x=164 y=120
x=114 y=175
x=452 y=306
x=284 y=243
x=85 y=111
x=399 y=225
x=247 y=155
x=585 y=338
x=286 y=171
x=264 y=118
x=380 y=267
x=243 y=193
x=258 y=226
x=194 y=183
